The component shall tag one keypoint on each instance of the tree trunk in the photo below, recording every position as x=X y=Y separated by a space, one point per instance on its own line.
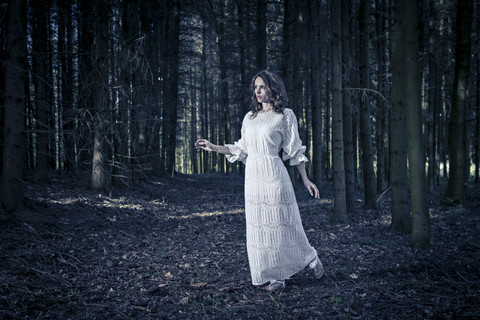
x=204 y=156
x=347 y=108
x=261 y=34
x=40 y=67
x=340 y=206
x=327 y=125
x=355 y=101
x=381 y=106
x=194 y=126
x=431 y=124
x=224 y=114
x=70 y=90
x=85 y=65
x=242 y=79
x=290 y=51
x=416 y=156
x=133 y=126
x=14 y=147
x=315 y=52
x=170 y=101
x=121 y=123
x=456 y=130
x=365 y=126
x=139 y=100
x=401 y=220
x=146 y=92
x=65 y=90
x=477 y=121
x=3 y=57
x=289 y=36
x=99 y=178
x=441 y=132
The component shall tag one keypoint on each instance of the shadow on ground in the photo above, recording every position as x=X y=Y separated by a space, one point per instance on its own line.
x=175 y=249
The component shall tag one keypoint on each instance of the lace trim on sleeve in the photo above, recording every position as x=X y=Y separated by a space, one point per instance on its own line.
x=237 y=153
x=299 y=157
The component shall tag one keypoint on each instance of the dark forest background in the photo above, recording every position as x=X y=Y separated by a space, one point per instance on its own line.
x=386 y=93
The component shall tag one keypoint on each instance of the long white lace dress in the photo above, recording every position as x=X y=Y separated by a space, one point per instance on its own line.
x=277 y=246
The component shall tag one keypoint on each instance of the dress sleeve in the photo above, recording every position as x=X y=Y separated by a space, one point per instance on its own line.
x=293 y=149
x=238 y=150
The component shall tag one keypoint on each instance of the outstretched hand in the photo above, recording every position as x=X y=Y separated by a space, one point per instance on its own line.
x=204 y=144
x=312 y=189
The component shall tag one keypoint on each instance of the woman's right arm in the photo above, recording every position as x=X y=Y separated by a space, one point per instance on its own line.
x=208 y=146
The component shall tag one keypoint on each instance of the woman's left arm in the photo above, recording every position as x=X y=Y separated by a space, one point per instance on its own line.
x=308 y=184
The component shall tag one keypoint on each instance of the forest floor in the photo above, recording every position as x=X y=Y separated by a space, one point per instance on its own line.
x=175 y=249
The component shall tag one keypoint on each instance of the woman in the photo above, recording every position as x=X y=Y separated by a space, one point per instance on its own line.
x=277 y=246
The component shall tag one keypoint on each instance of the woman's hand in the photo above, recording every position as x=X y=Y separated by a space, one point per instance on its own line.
x=208 y=146
x=306 y=182
x=204 y=144
x=312 y=189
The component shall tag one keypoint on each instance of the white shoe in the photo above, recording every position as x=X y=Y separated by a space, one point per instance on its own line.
x=276 y=285
x=317 y=267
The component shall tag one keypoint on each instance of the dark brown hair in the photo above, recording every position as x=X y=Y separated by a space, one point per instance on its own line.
x=275 y=89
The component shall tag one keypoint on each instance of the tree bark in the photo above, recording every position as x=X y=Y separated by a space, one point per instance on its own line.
x=204 y=156
x=14 y=146
x=243 y=56
x=289 y=36
x=170 y=96
x=194 y=126
x=315 y=52
x=401 y=219
x=85 y=65
x=3 y=57
x=476 y=142
x=327 y=123
x=290 y=51
x=340 y=206
x=416 y=155
x=65 y=90
x=40 y=67
x=223 y=127
x=261 y=34
x=432 y=91
x=381 y=106
x=365 y=126
x=140 y=96
x=456 y=129
x=347 y=116
x=99 y=178
x=121 y=123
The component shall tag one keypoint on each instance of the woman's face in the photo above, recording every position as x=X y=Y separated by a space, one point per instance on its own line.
x=260 y=90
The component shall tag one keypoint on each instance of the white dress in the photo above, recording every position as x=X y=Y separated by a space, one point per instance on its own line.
x=277 y=246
